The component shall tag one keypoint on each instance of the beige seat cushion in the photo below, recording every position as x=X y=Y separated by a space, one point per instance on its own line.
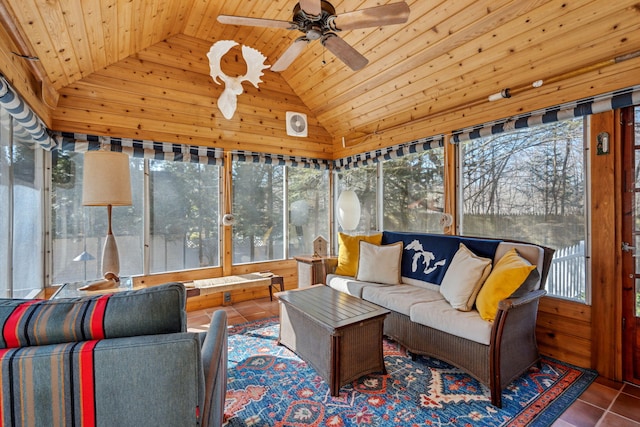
x=400 y=298
x=349 y=285
x=440 y=315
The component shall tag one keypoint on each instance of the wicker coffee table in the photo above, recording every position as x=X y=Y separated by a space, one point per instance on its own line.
x=339 y=335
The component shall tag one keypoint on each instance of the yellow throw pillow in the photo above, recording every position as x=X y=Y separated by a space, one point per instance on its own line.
x=507 y=275
x=349 y=252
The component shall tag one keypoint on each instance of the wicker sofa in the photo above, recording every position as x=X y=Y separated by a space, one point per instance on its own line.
x=427 y=320
x=121 y=359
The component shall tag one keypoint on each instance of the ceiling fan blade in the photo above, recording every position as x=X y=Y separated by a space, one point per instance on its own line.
x=290 y=55
x=254 y=22
x=344 y=52
x=311 y=7
x=394 y=13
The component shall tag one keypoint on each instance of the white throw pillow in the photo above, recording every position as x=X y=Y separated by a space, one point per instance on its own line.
x=379 y=264
x=464 y=278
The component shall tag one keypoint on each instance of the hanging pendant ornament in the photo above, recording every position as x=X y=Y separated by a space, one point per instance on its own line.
x=228 y=101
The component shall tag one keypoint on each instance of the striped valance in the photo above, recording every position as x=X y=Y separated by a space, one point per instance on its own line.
x=142 y=148
x=389 y=153
x=279 y=160
x=24 y=115
x=584 y=107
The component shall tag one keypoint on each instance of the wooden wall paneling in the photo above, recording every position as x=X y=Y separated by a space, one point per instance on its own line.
x=194 y=110
x=156 y=96
x=286 y=268
x=605 y=253
x=563 y=330
x=99 y=123
x=177 y=276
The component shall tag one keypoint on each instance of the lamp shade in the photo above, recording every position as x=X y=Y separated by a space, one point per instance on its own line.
x=348 y=210
x=106 y=179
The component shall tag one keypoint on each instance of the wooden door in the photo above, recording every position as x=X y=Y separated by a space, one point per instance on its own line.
x=631 y=244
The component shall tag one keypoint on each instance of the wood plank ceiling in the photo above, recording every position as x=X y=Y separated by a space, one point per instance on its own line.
x=138 y=68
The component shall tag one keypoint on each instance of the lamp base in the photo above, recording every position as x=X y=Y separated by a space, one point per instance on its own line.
x=110 y=258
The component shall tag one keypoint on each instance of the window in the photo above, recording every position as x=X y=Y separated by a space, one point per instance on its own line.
x=530 y=185
x=414 y=192
x=21 y=207
x=308 y=199
x=182 y=212
x=78 y=232
x=260 y=191
x=400 y=188
x=184 y=216
x=258 y=211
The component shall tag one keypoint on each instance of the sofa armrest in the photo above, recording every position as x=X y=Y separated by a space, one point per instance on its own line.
x=513 y=346
x=329 y=266
x=214 y=360
x=507 y=304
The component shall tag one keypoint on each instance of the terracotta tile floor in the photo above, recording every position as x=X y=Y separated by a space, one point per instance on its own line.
x=604 y=404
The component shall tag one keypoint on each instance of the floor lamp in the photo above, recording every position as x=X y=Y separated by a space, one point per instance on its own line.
x=106 y=182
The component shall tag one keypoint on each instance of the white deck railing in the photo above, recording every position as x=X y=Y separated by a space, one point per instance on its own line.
x=567 y=276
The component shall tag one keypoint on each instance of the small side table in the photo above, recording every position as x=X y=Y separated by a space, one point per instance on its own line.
x=311 y=270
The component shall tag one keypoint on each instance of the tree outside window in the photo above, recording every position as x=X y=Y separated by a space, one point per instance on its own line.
x=258 y=211
x=530 y=185
x=414 y=192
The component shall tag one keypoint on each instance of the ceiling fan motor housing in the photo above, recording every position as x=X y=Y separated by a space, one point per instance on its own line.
x=314 y=27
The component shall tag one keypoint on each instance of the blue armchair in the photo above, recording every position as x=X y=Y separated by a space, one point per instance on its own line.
x=120 y=359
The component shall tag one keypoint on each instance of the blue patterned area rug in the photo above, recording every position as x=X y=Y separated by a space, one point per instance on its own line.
x=270 y=386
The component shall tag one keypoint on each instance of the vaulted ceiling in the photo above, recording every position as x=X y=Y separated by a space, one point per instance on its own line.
x=138 y=68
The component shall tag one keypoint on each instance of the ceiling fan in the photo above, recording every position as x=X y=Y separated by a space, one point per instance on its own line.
x=317 y=19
